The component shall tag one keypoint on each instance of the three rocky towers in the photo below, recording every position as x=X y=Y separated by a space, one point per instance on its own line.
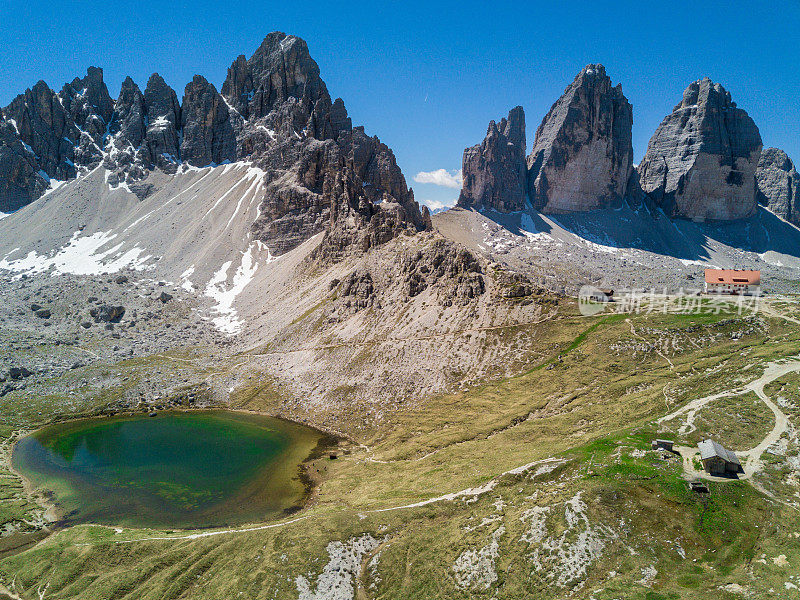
x=704 y=162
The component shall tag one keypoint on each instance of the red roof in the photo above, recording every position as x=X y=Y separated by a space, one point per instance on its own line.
x=733 y=276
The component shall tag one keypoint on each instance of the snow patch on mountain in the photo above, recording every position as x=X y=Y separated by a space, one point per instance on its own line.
x=83 y=255
x=224 y=293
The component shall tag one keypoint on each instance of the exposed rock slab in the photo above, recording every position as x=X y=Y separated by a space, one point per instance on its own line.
x=583 y=155
x=701 y=162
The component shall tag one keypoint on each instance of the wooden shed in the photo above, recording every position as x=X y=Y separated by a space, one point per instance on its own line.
x=718 y=460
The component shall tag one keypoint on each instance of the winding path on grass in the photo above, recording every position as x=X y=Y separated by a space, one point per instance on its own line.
x=751 y=459
x=773 y=371
x=545 y=465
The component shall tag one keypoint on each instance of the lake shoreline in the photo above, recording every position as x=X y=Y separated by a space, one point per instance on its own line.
x=54 y=521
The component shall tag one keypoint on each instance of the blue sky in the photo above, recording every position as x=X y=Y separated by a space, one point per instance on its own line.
x=426 y=77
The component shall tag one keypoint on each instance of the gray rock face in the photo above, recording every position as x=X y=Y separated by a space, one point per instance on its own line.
x=46 y=127
x=494 y=172
x=20 y=179
x=583 y=155
x=701 y=161
x=281 y=68
x=208 y=135
x=322 y=174
x=778 y=184
x=164 y=119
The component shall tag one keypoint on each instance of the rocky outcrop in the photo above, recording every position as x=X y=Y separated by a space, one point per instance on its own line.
x=778 y=184
x=163 y=120
x=494 y=172
x=369 y=201
x=45 y=126
x=357 y=291
x=208 y=136
x=701 y=162
x=321 y=173
x=281 y=68
x=452 y=270
x=582 y=156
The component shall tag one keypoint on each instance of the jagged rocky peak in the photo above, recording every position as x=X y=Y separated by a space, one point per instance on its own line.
x=128 y=120
x=778 y=184
x=91 y=108
x=44 y=125
x=494 y=171
x=280 y=87
x=279 y=69
x=582 y=157
x=126 y=131
x=320 y=173
x=143 y=134
x=701 y=161
x=208 y=136
x=163 y=120
x=88 y=102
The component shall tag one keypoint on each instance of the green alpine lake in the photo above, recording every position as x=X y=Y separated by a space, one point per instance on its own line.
x=175 y=469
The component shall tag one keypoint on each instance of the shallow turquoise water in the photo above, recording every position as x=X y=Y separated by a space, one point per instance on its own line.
x=183 y=470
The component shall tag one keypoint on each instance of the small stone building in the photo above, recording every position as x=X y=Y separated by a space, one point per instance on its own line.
x=662 y=444
x=717 y=460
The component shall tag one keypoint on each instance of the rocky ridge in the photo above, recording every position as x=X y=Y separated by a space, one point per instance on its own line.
x=321 y=173
x=778 y=184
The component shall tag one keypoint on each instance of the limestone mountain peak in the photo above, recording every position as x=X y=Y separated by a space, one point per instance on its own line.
x=701 y=161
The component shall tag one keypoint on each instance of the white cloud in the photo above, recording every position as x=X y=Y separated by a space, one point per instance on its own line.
x=438 y=205
x=440 y=177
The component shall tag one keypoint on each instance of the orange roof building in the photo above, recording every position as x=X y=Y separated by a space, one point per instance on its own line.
x=731 y=281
